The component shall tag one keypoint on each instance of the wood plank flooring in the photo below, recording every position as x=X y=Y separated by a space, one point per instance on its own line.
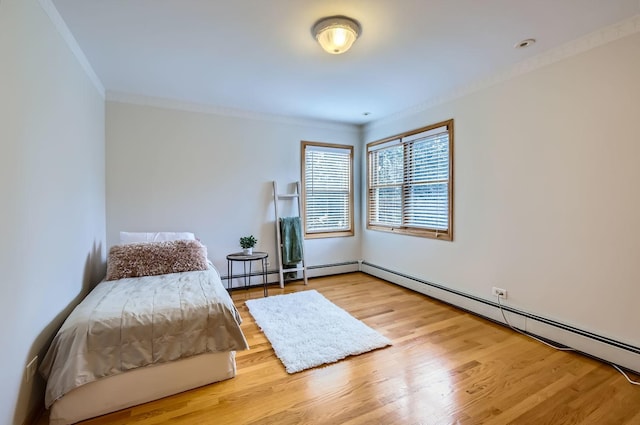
x=446 y=366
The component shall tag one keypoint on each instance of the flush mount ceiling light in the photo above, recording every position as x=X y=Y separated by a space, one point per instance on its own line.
x=336 y=34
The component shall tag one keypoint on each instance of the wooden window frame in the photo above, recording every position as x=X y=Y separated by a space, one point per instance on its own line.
x=412 y=230
x=326 y=234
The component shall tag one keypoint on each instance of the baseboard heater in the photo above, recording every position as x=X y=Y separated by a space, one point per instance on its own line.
x=585 y=342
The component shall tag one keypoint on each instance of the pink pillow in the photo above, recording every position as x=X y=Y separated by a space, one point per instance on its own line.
x=154 y=258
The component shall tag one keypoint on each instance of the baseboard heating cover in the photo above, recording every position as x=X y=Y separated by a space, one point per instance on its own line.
x=588 y=343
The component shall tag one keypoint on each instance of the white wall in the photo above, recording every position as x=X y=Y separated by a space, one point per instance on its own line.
x=179 y=170
x=546 y=199
x=52 y=186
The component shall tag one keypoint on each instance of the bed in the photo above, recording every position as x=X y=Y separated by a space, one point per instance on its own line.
x=160 y=323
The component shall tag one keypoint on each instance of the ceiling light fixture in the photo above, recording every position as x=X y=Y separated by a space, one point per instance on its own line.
x=336 y=34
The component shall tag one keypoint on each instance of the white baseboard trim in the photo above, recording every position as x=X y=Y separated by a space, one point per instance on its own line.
x=330 y=269
x=273 y=276
x=588 y=343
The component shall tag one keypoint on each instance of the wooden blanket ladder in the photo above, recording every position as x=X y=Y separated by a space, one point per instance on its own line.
x=297 y=206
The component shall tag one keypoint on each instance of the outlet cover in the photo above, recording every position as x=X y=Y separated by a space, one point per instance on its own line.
x=499 y=292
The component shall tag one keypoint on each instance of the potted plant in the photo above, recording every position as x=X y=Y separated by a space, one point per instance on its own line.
x=247 y=243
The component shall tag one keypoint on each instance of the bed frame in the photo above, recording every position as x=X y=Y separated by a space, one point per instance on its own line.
x=141 y=385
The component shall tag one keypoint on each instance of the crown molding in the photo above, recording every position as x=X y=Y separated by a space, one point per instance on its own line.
x=590 y=41
x=73 y=45
x=120 y=97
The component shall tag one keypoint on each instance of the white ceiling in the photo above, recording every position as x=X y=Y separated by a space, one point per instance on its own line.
x=259 y=55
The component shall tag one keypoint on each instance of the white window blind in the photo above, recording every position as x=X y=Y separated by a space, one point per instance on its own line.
x=410 y=183
x=327 y=188
x=386 y=179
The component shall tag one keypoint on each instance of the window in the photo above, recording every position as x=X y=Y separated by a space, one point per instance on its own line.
x=410 y=185
x=327 y=190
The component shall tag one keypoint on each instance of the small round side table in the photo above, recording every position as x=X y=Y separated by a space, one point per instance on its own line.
x=247 y=258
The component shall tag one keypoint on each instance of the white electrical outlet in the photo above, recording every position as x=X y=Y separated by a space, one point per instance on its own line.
x=32 y=366
x=499 y=292
x=268 y=263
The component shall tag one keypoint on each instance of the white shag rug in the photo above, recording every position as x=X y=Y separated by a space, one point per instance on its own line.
x=307 y=330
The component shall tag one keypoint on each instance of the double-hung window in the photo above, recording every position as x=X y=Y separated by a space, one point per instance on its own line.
x=410 y=183
x=327 y=189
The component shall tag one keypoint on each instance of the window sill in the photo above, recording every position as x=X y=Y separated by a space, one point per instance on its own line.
x=423 y=233
x=321 y=235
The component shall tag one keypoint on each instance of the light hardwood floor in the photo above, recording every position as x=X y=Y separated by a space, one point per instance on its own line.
x=446 y=366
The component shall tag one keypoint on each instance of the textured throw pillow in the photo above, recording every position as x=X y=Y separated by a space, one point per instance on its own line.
x=154 y=258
